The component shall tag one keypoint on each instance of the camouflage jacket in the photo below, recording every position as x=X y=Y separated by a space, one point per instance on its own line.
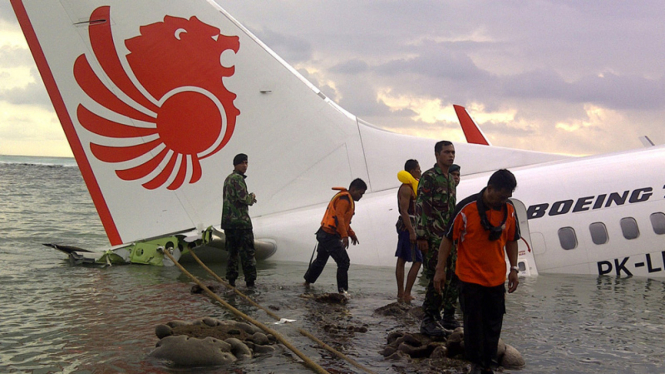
x=435 y=204
x=235 y=211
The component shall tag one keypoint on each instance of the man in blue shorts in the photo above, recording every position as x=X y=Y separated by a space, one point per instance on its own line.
x=407 y=251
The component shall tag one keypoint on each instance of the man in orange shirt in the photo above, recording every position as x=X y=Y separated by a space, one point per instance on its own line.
x=482 y=226
x=334 y=233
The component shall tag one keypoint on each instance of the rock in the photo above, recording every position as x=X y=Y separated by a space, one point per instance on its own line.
x=500 y=348
x=512 y=359
x=398 y=355
x=414 y=351
x=455 y=343
x=212 y=322
x=332 y=298
x=389 y=350
x=394 y=336
x=239 y=349
x=178 y=323
x=163 y=331
x=259 y=338
x=440 y=351
x=263 y=349
x=186 y=351
x=412 y=340
x=246 y=327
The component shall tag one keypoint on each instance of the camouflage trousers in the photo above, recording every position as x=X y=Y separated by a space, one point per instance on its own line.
x=435 y=302
x=240 y=243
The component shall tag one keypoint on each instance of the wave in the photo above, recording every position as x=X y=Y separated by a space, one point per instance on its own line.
x=38 y=160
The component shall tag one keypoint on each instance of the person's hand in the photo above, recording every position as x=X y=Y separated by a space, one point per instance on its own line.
x=345 y=242
x=423 y=246
x=439 y=279
x=253 y=197
x=354 y=240
x=412 y=236
x=513 y=281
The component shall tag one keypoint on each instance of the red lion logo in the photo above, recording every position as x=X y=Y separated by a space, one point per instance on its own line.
x=181 y=112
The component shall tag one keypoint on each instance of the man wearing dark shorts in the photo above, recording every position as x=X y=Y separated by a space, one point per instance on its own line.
x=407 y=251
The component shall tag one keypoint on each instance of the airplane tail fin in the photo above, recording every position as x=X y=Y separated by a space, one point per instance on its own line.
x=472 y=131
x=157 y=97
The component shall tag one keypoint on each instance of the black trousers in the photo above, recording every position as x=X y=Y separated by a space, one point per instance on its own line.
x=330 y=246
x=483 y=309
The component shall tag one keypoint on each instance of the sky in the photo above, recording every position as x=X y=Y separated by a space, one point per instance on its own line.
x=572 y=77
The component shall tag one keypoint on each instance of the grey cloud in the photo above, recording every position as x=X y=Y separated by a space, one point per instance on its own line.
x=7 y=12
x=32 y=94
x=354 y=66
x=291 y=48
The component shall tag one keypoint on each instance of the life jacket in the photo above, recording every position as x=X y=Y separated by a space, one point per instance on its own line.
x=330 y=217
x=406 y=178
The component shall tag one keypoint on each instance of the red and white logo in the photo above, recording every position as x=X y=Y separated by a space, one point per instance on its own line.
x=175 y=112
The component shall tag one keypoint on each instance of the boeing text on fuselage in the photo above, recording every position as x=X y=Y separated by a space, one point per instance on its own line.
x=586 y=203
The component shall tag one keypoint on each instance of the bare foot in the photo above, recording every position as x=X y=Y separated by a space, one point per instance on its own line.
x=306 y=284
x=407 y=299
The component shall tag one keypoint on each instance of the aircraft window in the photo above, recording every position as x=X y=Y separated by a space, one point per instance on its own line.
x=658 y=223
x=567 y=238
x=598 y=233
x=629 y=228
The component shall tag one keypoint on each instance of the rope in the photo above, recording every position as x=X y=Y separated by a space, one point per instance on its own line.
x=276 y=317
x=312 y=365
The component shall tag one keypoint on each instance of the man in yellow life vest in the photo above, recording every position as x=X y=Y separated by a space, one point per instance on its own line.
x=334 y=233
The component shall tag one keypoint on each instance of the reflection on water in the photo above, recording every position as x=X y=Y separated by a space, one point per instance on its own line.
x=57 y=318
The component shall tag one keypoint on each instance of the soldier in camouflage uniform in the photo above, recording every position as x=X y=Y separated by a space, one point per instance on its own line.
x=435 y=205
x=451 y=289
x=237 y=225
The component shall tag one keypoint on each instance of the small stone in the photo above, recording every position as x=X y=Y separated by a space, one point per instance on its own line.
x=512 y=359
x=178 y=323
x=212 y=322
x=260 y=338
x=182 y=350
x=239 y=349
x=163 y=331
x=439 y=352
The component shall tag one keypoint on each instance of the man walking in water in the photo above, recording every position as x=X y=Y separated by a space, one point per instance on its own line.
x=237 y=225
x=407 y=251
x=334 y=233
x=435 y=204
x=483 y=225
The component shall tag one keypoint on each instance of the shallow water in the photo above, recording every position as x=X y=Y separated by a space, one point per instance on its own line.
x=59 y=318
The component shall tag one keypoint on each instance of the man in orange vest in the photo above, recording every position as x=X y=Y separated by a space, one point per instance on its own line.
x=334 y=233
x=483 y=225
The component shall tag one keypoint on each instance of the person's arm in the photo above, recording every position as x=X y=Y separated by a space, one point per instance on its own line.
x=405 y=193
x=423 y=207
x=241 y=193
x=513 y=280
x=342 y=205
x=440 y=275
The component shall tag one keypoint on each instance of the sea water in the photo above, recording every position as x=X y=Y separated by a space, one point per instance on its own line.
x=58 y=318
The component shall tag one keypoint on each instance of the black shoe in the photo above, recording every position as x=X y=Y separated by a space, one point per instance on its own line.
x=232 y=282
x=250 y=284
x=431 y=327
x=449 y=322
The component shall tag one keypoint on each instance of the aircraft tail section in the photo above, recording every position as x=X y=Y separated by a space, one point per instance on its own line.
x=472 y=131
x=157 y=97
